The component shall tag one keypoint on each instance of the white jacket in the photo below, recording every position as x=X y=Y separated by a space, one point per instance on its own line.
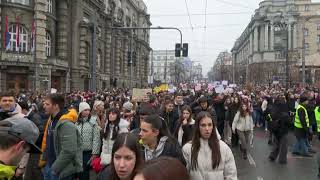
x=242 y=123
x=108 y=142
x=226 y=170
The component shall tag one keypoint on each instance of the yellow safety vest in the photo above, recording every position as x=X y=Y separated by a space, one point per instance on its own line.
x=317 y=115
x=7 y=172
x=297 y=122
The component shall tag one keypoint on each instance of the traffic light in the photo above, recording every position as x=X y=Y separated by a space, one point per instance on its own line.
x=185 y=50
x=178 y=50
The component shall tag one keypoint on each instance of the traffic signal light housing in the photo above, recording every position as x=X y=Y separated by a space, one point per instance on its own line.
x=185 y=49
x=178 y=50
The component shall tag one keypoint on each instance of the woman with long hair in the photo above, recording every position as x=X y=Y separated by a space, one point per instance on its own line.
x=234 y=109
x=208 y=158
x=126 y=158
x=228 y=120
x=113 y=126
x=243 y=125
x=184 y=126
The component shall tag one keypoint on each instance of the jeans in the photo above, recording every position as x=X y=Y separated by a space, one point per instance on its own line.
x=48 y=175
x=244 y=137
x=85 y=175
x=301 y=146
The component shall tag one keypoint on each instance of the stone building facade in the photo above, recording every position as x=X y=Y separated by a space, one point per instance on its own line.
x=63 y=49
x=162 y=60
x=274 y=40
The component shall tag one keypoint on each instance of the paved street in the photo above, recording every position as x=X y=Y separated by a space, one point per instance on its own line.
x=258 y=167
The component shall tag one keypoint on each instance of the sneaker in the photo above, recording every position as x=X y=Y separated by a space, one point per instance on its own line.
x=312 y=151
x=307 y=155
x=296 y=153
x=271 y=159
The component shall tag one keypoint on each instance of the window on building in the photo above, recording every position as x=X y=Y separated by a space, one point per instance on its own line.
x=99 y=54
x=306 y=45
x=87 y=52
x=307 y=7
x=318 y=39
x=48 y=44
x=23 y=45
x=306 y=32
x=49 y=6
x=24 y=2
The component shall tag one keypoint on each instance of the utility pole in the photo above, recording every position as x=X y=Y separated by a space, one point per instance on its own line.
x=165 y=67
x=131 y=60
x=303 y=58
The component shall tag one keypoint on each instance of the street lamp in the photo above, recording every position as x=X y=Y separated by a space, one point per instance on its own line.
x=280 y=26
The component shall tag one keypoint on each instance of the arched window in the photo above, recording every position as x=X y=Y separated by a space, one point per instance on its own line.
x=49 y=6
x=48 y=44
x=23 y=45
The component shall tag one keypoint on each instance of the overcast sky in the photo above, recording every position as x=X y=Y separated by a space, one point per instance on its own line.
x=225 y=21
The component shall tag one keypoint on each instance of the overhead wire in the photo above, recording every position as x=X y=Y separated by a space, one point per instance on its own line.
x=188 y=14
x=200 y=14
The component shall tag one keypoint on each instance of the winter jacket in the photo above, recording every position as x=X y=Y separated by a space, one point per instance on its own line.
x=165 y=147
x=225 y=171
x=184 y=133
x=90 y=134
x=170 y=119
x=242 y=123
x=67 y=146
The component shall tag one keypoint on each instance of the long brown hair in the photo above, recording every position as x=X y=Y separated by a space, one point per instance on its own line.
x=186 y=108
x=242 y=112
x=213 y=142
x=131 y=142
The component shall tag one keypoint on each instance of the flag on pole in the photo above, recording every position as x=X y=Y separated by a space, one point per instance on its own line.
x=7 y=36
x=18 y=33
x=33 y=36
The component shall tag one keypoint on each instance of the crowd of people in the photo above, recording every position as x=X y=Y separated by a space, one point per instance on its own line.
x=181 y=135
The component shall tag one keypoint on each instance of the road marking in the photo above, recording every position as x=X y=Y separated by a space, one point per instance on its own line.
x=259 y=178
x=251 y=160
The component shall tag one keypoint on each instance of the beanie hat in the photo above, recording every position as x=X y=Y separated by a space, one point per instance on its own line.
x=83 y=106
x=128 y=106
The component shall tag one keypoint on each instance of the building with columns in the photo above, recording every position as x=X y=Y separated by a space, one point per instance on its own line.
x=69 y=35
x=279 y=34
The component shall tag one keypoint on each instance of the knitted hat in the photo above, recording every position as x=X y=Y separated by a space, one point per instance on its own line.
x=83 y=106
x=128 y=106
